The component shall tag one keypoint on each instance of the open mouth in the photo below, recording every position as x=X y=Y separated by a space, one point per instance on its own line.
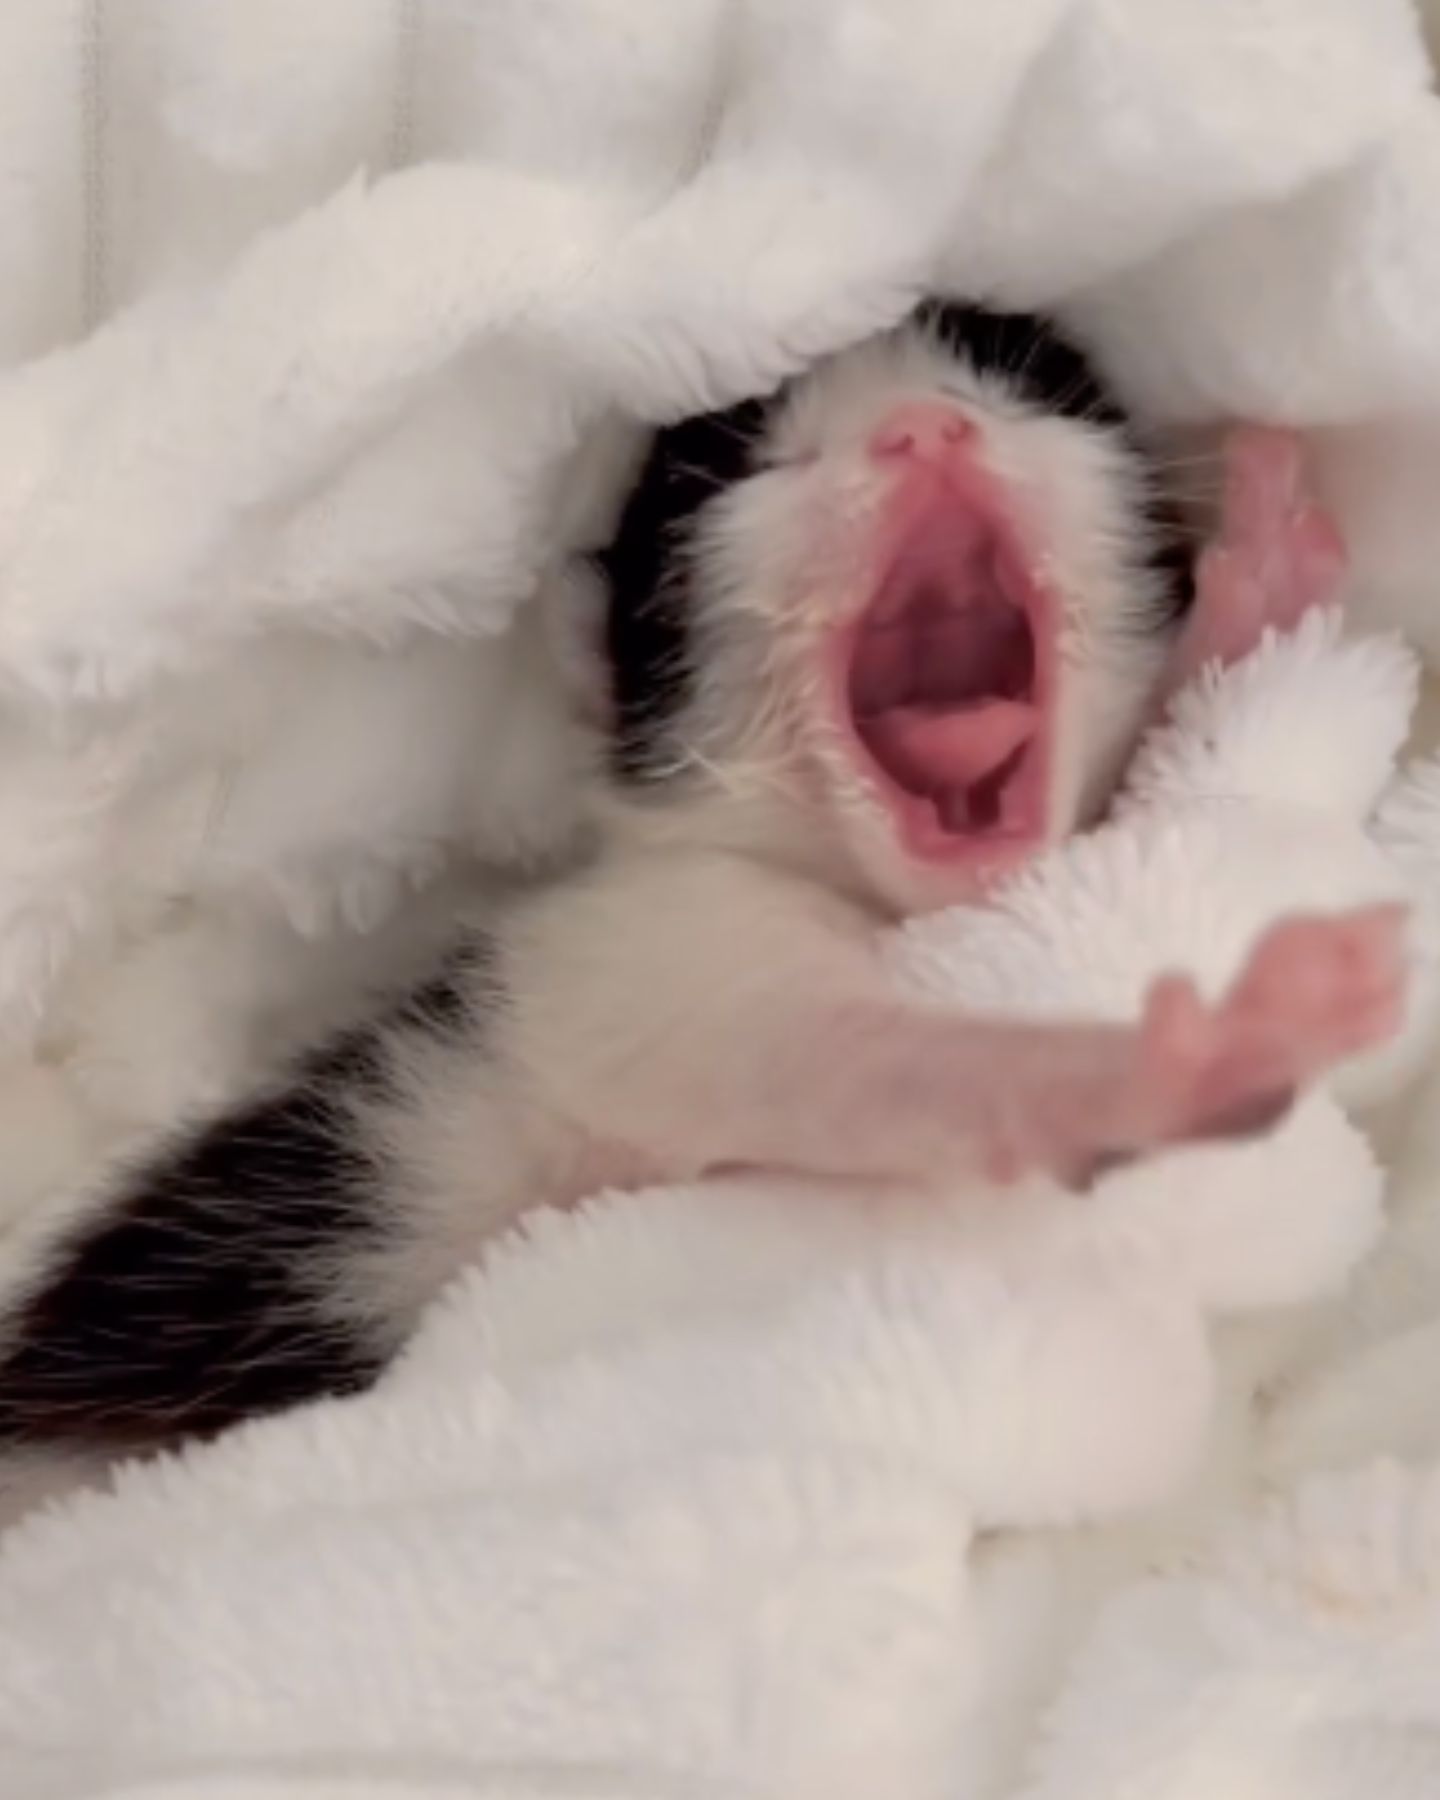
x=946 y=686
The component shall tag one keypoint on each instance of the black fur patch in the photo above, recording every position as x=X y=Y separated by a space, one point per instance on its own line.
x=1028 y=351
x=648 y=644
x=1172 y=559
x=194 y=1300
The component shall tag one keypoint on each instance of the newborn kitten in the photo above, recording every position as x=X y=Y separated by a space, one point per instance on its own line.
x=871 y=644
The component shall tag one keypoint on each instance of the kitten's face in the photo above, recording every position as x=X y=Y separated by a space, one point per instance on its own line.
x=923 y=610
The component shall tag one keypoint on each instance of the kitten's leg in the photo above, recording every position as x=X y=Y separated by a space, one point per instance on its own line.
x=702 y=1012
x=1276 y=555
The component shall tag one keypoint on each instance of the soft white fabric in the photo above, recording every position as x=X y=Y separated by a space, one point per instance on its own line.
x=683 y=1494
x=755 y=1489
x=654 y=205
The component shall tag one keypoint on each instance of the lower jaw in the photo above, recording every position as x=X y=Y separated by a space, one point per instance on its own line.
x=917 y=862
x=910 y=873
x=924 y=840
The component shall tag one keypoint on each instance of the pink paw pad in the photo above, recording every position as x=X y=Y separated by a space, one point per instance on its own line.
x=1313 y=993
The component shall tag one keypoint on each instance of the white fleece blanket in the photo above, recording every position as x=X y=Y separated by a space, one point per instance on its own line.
x=754 y=1490
x=742 y=1491
x=249 y=385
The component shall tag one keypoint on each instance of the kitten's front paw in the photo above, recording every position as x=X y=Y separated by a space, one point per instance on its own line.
x=1314 y=993
x=1277 y=555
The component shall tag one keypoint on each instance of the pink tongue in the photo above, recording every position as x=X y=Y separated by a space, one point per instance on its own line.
x=931 y=752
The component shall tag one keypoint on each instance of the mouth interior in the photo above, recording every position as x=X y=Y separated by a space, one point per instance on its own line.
x=942 y=680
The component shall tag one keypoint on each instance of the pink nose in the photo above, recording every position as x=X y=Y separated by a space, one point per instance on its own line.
x=927 y=430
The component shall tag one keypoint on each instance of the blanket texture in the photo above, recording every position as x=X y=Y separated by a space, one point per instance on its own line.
x=752 y=1489
x=742 y=1490
x=570 y=203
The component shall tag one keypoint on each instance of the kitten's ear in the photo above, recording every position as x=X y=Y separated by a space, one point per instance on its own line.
x=573 y=602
